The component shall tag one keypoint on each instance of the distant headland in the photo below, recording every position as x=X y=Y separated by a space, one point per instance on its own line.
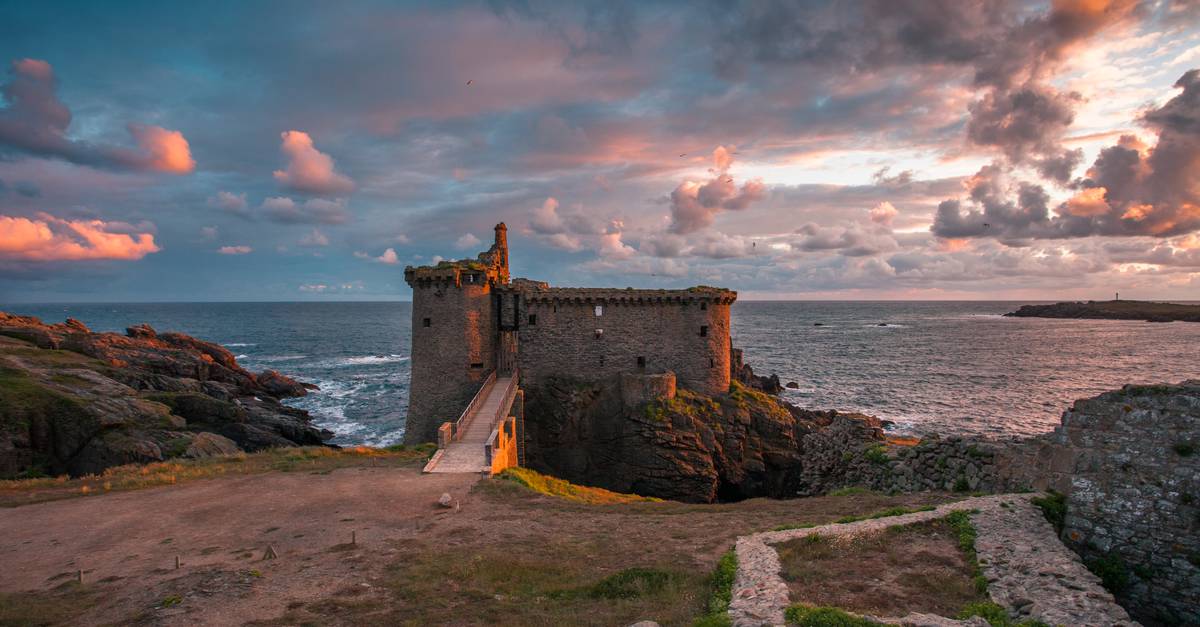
x=1113 y=310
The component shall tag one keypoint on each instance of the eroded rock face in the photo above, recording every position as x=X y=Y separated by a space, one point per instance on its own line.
x=689 y=448
x=73 y=401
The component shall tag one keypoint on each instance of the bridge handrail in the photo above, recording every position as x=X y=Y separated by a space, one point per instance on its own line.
x=458 y=427
x=501 y=413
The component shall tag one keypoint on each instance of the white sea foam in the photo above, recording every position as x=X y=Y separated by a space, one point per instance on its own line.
x=275 y=358
x=239 y=344
x=367 y=360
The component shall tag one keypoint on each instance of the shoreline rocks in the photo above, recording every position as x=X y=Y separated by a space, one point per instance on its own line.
x=76 y=402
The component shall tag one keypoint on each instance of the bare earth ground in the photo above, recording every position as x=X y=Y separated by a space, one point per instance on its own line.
x=504 y=555
x=914 y=568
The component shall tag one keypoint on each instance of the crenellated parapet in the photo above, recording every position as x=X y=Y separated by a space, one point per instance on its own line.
x=535 y=292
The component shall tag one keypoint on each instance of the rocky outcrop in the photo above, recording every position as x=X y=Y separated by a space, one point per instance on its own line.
x=690 y=447
x=77 y=402
x=741 y=372
x=1113 y=310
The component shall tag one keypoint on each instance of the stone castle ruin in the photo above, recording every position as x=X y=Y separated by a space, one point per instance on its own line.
x=471 y=321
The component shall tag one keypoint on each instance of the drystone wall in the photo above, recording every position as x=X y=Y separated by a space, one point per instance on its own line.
x=1133 y=505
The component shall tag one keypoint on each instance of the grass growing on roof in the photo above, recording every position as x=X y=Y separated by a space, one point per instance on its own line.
x=887 y=513
x=1054 y=508
x=561 y=488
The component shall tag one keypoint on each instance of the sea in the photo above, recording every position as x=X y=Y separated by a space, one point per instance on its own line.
x=942 y=368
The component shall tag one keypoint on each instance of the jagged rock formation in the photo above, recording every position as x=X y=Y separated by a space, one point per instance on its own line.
x=689 y=448
x=73 y=401
x=1113 y=310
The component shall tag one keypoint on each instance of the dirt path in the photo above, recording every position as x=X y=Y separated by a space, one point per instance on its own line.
x=504 y=556
x=220 y=529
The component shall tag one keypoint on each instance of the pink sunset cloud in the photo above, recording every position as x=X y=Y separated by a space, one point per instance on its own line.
x=35 y=121
x=310 y=170
x=47 y=238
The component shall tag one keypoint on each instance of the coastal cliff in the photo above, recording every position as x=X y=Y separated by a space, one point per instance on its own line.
x=1112 y=310
x=77 y=402
x=689 y=446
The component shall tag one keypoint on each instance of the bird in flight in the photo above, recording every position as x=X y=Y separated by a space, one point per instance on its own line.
x=683 y=154
x=470 y=81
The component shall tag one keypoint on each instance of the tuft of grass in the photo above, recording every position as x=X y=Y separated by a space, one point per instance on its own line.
x=1112 y=571
x=1054 y=508
x=809 y=616
x=876 y=454
x=790 y=526
x=560 y=488
x=995 y=615
x=887 y=513
x=717 y=608
x=960 y=522
x=171 y=601
x=853 y=490
x=136 y=476
x=631 y=583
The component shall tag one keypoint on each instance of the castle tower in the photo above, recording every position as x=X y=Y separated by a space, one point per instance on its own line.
x=453 y=335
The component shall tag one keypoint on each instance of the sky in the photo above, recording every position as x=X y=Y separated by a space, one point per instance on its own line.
x=877 y=149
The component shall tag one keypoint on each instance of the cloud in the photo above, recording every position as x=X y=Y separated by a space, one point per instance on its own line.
x=235 y=250
x=388 y=257
x=209 y=233
x=36 y=122
x=314 y=239
x=309 y=170
x=1130 y=190
x=233 y=203
x=313 y=211
x=467 y=242
x=546 y=220
x=694 y=204
x=47 y=238
x=883 y=213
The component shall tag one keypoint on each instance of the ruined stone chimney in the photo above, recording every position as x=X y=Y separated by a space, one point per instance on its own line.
x=501 y=245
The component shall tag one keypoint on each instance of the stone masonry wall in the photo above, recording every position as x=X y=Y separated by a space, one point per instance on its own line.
x=564 y=341
x=1134 y=495
x=452 y=356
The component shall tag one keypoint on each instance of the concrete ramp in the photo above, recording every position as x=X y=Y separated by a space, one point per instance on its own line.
x=467 y=453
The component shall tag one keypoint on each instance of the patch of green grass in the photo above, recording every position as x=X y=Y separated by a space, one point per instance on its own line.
x=960 y=522
x=887 y=513
x=560 y=488
x=995 y=615
x=876 y=454
x=809 y=616
x=631 y=583
x=853 y=490
x=961 y=484
x=136 y=476
x=171 y=601
x=1111 y=570
x=717 y=609
x=1054 y=508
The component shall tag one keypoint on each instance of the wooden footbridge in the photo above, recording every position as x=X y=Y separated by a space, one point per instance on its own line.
x=486 y=437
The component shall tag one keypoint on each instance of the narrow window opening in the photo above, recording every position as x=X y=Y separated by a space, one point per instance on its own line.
x=599 y=333
x=478 y=364
x=532 y=319
x=712 y=363
x=703 y=306
x=641 y=362
x=599 y=310
x=428 y=322
x=703 y=331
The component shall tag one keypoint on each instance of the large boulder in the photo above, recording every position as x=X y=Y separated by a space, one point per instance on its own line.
x=205 y=444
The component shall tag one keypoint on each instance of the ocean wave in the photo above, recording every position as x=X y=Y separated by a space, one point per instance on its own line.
x=238 y=344
x=367 y=360
x=240 y=356
x=275 y=358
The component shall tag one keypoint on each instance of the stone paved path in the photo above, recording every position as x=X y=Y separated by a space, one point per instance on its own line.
x=1030 y=572
x=467 y=454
